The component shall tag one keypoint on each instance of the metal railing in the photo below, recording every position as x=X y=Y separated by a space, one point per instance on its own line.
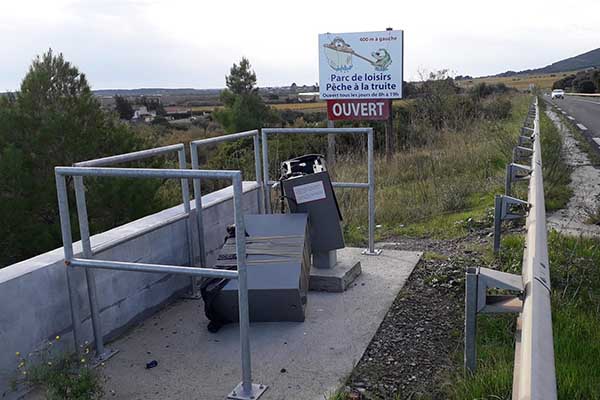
x=245 y=390
x=370 y=184
x=534 y=370
x=142 y=155
x=195 y=147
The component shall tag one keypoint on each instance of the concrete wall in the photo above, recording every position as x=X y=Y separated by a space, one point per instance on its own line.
x=34 y=303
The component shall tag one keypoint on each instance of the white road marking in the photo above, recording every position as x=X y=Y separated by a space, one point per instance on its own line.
x=597 y=140
x=564 y=112
x=587 y=101
x=582 y=127
x=571 y=118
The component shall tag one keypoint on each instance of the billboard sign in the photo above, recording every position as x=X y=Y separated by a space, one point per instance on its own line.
x=361 y=65
x=367 y=109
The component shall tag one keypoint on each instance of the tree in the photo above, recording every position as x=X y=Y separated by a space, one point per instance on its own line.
x=586 y=86
x=55 y=120
x=241 y=79
x=124 y=108
x=244 y=108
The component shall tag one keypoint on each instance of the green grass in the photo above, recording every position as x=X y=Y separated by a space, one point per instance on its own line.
x=576 y=324
x=575 y=302
x=60 y=376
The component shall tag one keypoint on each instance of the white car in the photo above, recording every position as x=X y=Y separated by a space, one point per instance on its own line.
x=558 y=94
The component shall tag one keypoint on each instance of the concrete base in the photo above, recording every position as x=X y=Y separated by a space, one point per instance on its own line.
x=338 y=278
x=297 y=360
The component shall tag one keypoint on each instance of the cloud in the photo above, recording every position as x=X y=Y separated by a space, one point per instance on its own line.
x=151 y=43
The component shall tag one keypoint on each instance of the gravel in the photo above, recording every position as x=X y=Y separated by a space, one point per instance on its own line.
x=415 y=352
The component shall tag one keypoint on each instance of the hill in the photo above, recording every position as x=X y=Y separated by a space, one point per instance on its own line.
x=579 y=62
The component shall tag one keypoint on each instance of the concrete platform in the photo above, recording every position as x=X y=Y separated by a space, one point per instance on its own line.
x=338 y=278
x=297 y=361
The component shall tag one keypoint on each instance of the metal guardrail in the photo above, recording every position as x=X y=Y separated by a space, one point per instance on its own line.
x=245 y=390
x=195 y=147
x=583 y=94
x=370 y=184
x=534 y=370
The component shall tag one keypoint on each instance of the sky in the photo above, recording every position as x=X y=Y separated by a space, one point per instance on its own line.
x=181 y=43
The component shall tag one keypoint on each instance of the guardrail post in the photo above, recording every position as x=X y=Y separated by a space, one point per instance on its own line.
x=470 y=353
x=497 y=222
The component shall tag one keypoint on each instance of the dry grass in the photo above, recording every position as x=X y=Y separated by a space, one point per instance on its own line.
x=521 y=82
x=439 y=184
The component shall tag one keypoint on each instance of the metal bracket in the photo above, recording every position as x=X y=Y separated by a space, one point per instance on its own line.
x=522 y=153
x=238 y=393
x=508 y=207
x=477 y=300
x=526 y=130
x=516 y=172
x=493 y=279
x=525 y=139
x=504 y=209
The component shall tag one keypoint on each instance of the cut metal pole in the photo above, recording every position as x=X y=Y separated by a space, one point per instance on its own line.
x=89 y=273
x=65 y=228
x=330 y=145
x=258 y=172
x=497 y=222
x=470 y=355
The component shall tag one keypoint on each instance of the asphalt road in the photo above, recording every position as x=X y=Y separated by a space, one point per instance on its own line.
x=584 y=112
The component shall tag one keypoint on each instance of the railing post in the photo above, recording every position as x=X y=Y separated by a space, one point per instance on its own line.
x=65 y=228
x=265 y=160
x=185 y=196
x=258 y=173
x=246 y=390
x=90 y=276
x=198 y=204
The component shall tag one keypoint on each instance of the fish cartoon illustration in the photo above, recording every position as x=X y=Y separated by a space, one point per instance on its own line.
x=339 y=54
x=382 y=59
